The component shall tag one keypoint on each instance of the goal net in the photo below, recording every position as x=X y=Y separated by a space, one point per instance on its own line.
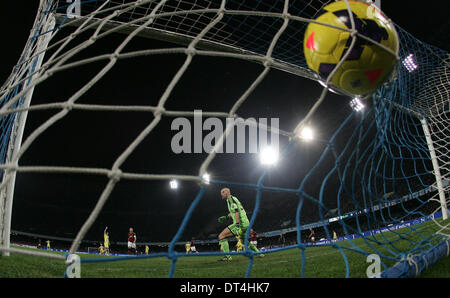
x=96 y=71
x=91 y=249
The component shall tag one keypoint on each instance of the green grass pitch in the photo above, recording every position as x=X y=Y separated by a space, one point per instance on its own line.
x=321 y=262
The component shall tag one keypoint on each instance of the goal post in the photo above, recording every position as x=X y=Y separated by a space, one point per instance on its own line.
x=436 y=168
x=441 y=189
x=32 y=60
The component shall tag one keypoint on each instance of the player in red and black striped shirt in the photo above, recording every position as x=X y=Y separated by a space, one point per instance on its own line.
x=131 y=241
x=253 y=238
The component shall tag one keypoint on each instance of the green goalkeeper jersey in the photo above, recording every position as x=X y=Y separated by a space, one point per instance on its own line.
x=233 y=206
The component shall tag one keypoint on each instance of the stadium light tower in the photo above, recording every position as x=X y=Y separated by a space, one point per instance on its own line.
x=268 y=156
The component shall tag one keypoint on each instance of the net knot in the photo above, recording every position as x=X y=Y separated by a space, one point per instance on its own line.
x=68 y=106
x=172 y=256
x=115 y=175
x=191 y=51
x=268 y=61
x=159 y=111
x=114 y=56
x=412 y=262
x=248 y=254
x=221 y=11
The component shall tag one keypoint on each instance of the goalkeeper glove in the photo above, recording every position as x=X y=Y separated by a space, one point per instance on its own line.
x=222 y=219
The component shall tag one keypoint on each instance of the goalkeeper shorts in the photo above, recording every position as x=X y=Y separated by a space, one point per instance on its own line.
x=238 y=230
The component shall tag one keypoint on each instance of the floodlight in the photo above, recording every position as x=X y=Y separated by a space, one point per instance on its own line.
x=356 y=104
x=173 y=184
x=409 y=63
x=306 y=133
x=268 y=156
x=206 y=178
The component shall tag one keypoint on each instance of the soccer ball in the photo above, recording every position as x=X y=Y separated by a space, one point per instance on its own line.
x=367 y=65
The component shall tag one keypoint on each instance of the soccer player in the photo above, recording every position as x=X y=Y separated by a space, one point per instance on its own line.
x=101 y=249
x=192 y=246
x=239 y=225
x=312 y=235
x=131 y=241
x=239 y=244
x=106 y=240
x=282 y=239
x=253 y=238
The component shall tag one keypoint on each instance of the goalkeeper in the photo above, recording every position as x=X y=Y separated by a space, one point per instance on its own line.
x=239 y=225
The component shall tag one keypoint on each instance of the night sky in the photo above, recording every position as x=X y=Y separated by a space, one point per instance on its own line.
x=55 y=204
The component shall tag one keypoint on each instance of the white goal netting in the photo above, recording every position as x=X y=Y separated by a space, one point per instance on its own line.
x=144 y=63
